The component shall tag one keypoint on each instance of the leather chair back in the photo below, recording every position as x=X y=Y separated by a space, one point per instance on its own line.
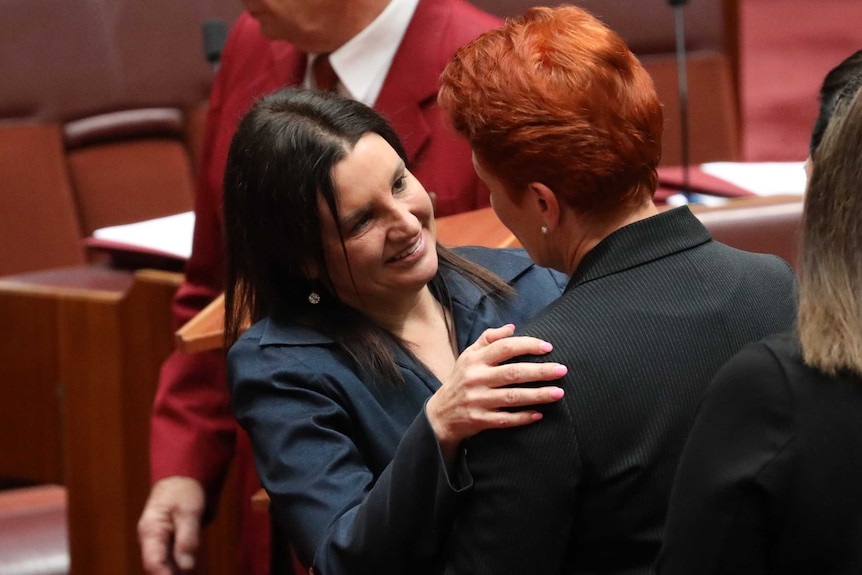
x=101 y=115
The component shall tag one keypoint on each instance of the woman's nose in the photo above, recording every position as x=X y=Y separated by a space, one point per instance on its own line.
x=405 y=221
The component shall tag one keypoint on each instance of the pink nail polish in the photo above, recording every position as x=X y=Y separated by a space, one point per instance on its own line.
x=546 y=346
x=557 y=393
x=561 y=370
x=537 y=416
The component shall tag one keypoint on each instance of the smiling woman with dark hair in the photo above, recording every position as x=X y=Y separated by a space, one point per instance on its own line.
x=374 y=351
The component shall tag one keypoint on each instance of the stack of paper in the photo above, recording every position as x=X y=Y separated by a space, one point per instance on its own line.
x=169 y=238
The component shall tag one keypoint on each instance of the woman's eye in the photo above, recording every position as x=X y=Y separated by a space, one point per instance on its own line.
x=400 y=184
x=360 y=224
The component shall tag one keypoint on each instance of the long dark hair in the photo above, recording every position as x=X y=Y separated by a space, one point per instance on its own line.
x=845 y=77
x=280 y=161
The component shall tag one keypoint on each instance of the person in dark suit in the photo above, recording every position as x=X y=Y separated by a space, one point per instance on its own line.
x=565 y=128
x=374 y=351
x=385 y=53
x=769 y=478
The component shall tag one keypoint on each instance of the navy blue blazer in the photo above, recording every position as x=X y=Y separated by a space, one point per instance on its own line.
x=649 y=316
x=352 y=467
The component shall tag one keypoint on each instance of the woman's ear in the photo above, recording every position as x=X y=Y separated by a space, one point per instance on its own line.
x=545 y=202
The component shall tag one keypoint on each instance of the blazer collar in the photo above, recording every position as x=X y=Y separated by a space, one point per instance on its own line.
x=639 y=243
x=287 y=64
x=509 y=264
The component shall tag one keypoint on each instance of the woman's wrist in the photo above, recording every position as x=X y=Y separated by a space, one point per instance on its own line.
x=448 y=443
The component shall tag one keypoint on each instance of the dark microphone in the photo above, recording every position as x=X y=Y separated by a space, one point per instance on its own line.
x=682 y=76
x=214 y=36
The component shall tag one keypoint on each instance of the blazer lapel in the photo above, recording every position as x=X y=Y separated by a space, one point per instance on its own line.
x=286 y=66
x=411 y=84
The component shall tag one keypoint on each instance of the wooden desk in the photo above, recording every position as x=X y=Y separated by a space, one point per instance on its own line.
x=205 y=331
x=79 y=360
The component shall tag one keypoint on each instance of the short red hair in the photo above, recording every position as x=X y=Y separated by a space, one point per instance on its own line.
x=556 y=97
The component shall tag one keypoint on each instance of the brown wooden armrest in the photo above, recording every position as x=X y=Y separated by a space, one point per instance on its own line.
x=260 y=501
x=205 y=331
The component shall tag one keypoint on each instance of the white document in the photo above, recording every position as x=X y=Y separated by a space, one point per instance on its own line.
x=170 y=235
x=761 y=178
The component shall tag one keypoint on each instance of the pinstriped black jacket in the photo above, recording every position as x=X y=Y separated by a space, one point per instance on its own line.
x=647 y=319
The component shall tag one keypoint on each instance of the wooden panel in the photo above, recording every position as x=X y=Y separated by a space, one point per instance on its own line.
x=99 y=336
x=111 y=351
x=30 y=430
x=30 y=448
x=95 y=475
x=218 y=553
x=730 y=14
x=110 y=354
x=714 y=131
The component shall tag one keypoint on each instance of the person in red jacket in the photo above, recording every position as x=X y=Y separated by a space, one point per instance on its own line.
x=385 y=53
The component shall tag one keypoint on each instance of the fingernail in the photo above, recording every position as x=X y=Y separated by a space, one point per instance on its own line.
x=186 y=561
x=537 y=416
x=561 y=370
x=546 y=346
x=557 y=392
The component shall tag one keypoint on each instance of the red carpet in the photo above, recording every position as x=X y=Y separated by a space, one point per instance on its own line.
x=787 y=46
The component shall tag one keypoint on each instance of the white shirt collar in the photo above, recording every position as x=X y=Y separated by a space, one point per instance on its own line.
x=363 y=62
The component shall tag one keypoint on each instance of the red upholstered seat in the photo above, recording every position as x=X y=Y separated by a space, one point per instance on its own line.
x=33 y=527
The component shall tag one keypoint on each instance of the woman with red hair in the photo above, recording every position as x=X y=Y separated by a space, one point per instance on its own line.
x=565 y=128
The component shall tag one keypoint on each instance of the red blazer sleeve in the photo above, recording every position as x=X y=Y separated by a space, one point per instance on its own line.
x=192 y=428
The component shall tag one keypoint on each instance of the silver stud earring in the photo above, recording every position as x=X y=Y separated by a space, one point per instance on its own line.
x=314 y=298
x=544 y=229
